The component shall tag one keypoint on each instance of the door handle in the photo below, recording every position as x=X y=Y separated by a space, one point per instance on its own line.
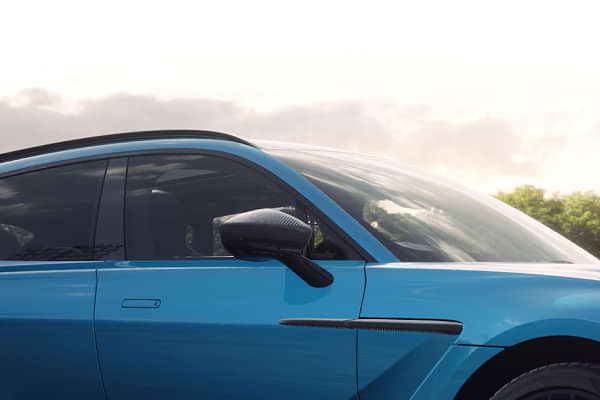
x=140 y=303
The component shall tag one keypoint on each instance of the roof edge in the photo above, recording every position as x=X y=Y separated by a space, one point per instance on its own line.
x=120 y=137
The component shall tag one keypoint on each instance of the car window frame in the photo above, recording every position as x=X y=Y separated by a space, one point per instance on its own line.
x=273 y=178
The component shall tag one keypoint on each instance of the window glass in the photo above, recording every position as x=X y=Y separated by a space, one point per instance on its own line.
x=176 y=203
x=50 y=214
x=422 y=218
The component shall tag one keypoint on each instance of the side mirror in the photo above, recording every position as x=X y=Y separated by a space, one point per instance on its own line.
x=271 y=233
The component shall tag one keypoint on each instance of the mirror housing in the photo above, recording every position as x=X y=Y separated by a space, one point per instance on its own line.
x=271 y=233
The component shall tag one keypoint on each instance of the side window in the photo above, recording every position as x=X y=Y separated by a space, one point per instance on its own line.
x=176 y=203
x=50 y=214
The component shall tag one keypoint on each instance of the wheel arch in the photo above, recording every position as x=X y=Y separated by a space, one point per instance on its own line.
x=524 y=356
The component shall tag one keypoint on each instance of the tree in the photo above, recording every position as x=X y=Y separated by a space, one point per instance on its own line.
x=580 y=220
x=575 y=216
x=533 y=202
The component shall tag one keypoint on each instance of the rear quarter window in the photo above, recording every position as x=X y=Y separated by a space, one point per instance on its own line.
x=50 y=214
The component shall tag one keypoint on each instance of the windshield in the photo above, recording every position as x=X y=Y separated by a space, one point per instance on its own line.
x=424 y=218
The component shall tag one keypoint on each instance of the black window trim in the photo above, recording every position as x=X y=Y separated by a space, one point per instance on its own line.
x=107 y=226
x=96 y=217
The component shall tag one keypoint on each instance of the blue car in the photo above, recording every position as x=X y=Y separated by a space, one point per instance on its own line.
x=196 y=265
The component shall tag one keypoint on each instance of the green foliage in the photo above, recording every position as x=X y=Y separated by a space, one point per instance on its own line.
x=581 y=220
x=575 y=216
x=533 y=202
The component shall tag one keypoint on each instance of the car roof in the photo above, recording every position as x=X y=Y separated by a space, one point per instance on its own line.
x=120 y=137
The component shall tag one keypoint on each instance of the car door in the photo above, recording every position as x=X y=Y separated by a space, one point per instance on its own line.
x=178 y=317
x=48 y=282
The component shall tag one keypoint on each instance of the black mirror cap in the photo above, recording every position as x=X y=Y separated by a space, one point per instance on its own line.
x=272 y=233
x=264 y=232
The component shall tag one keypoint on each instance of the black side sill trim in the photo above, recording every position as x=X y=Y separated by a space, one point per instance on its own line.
x=407 y=325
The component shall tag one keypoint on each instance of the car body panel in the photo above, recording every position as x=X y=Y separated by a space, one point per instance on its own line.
x=392 y=364
x=496 y=306
x=46 y=330
x=500 y=305
x=451 y=372
x=216 y=332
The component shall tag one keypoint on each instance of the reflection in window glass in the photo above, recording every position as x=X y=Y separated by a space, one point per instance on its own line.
x=420 y=218
x=176 y=203
x=50 y=214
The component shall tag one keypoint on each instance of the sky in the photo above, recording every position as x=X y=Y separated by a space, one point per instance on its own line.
x=492 y=94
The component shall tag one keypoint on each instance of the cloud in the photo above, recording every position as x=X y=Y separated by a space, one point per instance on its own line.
x=37 y=97
x=546 y=146
x=487 y=145
x=345 y=125
x=596 y=130
x=482 y=148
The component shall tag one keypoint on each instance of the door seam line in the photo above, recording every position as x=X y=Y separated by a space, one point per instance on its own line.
x=362 y=301
x=96 y=339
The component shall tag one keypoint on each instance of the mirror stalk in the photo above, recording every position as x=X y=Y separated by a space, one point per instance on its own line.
x=312 y=273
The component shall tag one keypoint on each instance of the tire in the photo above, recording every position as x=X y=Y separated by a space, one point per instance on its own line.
x=568 y=381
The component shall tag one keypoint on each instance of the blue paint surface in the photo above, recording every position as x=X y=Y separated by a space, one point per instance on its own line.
x=497 y=308
x=393 y=364
x=456 y=366
x=216 y=333
x=46 y=331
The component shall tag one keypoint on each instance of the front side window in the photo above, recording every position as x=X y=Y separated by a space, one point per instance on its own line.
x=50 y=214
x=421 y=218
x=176 y=203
